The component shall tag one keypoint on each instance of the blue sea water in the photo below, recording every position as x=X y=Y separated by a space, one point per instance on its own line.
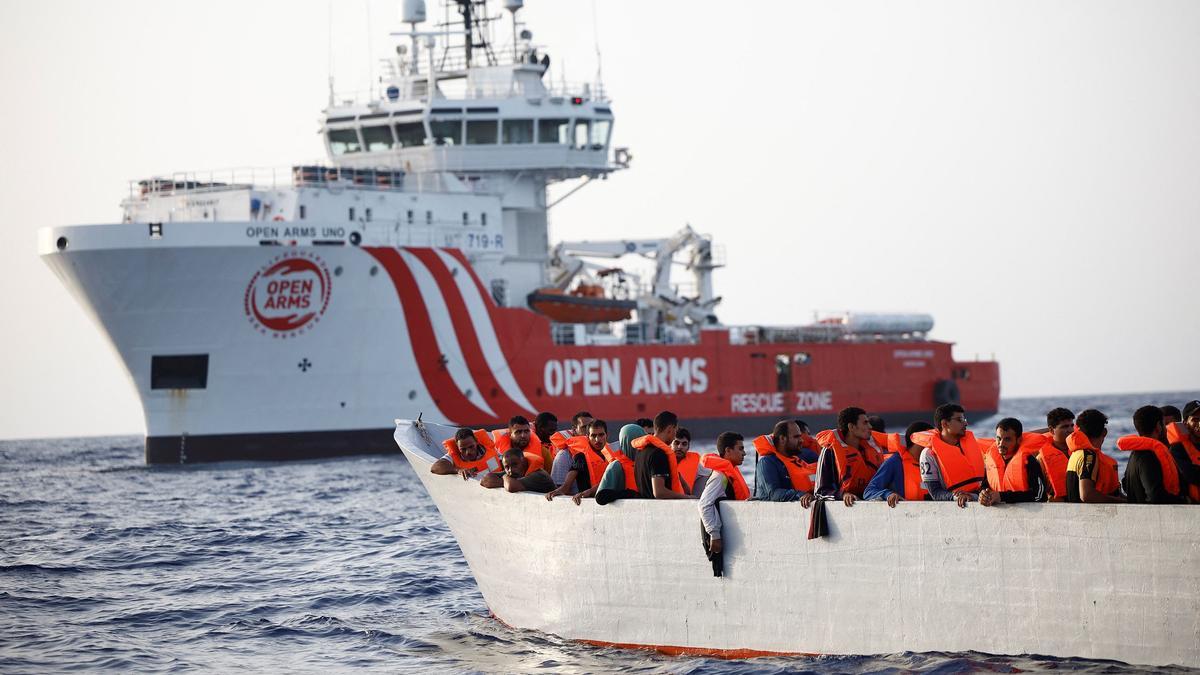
x=322 y=566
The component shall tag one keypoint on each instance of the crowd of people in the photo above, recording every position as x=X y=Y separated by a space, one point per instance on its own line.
x=652 y=459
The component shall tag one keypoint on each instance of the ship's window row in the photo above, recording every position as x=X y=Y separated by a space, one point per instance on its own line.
x=581 y=134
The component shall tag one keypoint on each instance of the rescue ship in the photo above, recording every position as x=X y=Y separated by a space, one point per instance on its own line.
x=290 y=314
x=1067 y=580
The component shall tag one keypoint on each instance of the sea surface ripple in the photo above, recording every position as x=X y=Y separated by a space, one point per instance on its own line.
x=109 y=564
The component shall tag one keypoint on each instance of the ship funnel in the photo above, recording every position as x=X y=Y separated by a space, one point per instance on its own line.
x=413 y=11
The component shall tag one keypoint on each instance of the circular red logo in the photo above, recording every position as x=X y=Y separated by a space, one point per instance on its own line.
x=288 y=295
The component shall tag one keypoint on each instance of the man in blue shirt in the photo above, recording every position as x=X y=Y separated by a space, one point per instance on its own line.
x=888 y=482
x=772 y=481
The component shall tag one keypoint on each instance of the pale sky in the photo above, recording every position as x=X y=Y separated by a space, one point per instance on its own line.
x=1026 y=171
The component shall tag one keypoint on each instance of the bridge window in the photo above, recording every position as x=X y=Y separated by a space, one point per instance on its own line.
x=600 y=130
x=553 y=131
x=518 y=131
x=482 y=132
x=410 y=134
x=582 y=131
x=446 y=132
x=377 y=139
x=344 y=141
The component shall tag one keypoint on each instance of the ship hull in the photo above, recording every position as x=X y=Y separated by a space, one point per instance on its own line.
x=246 y=349
x=1090 y=581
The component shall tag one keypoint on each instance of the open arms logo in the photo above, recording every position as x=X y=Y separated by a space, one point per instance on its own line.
x=288 y=295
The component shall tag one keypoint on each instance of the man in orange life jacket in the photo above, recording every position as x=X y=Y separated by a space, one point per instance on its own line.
x=842 y=470
x=1054 y=455
x=523 y=473
x=686 y=460
x=775 y=481
x=544 y=427
x=1091 y=475
x=952 y=466
x=518 y=436
x=723 y=481
x=656 y=470
x=1151 y=476
x=1023 y=478
x=587 y=463
x=468 y=457
x=563 y=458
x=899 y=477
x=1183 y=440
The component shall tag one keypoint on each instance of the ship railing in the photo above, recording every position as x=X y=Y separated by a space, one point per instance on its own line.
x=589 y=91
x=313 y=174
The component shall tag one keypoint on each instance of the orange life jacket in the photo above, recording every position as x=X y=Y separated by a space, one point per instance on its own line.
x=504 y=443
x=800 y=472
x=627 y=467
x=535 y=462
x=596 y=462
x=1170 y=473
x=718 y=463
x=687 y=469
x=651 y=439
x=854 y=472
x=961 y=465
x=1177 y=432
x=809 y=443
x=1016 y=478
x=489 y=461
x=993 y=462
x=559 y=439
x=913 y=492
x=1107 y=479
x=1054 y=466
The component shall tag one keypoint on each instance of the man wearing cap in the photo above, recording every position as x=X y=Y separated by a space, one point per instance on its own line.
x=1183 y=440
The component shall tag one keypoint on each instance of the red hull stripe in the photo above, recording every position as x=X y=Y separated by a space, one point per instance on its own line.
x=468 y=341
x=683 y=651
x=501 y=323
x=451 y=402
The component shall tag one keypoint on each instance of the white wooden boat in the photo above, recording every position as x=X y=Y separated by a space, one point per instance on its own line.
x=1094 y=581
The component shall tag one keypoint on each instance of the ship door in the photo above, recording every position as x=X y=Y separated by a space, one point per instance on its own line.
x=783 y=372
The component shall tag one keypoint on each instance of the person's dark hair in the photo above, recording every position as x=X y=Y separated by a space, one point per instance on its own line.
x=517 y=420
x=727 y=440
x=598 y=423
x=1146 y=419
x=544 y=418
x=514 y=455
x=1010 y=424
x=1091 y=422
x=1171 y=411
x=1058 y=416
x=803 y=426
x=877 y=423
x=578 y=416
x=463 y=434
x=644 y=422
x=683 y=433
x=914 y=428
x=665 y=419
x=847 y=417
x=779 y=432
x=945 y=412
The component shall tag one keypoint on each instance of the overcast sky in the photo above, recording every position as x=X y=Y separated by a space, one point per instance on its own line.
x=1026 y=171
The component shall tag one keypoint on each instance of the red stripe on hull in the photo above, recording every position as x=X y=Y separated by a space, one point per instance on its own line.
x=468 y=341
x=452 y=402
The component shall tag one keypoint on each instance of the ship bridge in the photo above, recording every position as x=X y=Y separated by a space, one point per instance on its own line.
x=466 y=108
